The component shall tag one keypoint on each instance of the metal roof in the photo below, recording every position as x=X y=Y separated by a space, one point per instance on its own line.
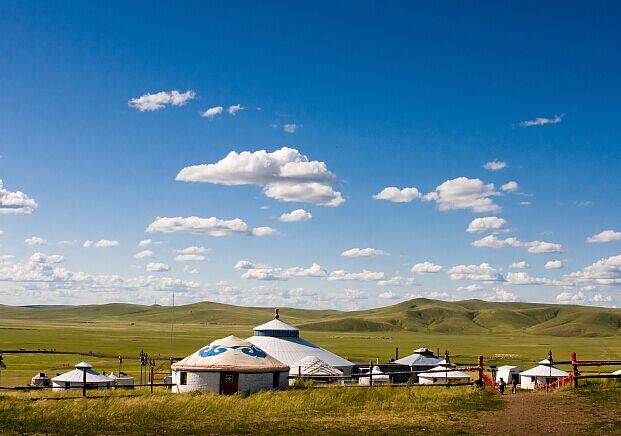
x=77 y=375
x=421 y=357
x=545 y=370
x=445 y=370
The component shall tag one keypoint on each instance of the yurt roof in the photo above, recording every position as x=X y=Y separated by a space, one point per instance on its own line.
x=291 y=349
x=230 y=354
x=77 y=375
x=445 y=370
x=507 y=367
x=117 y=377
x=617 y=372
x=313 y=365
x=276 y=324
x=421 y=357
x=545 y=369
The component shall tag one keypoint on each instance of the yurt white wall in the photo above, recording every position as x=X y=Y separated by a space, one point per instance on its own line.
x=507 y=373
x=210 y=381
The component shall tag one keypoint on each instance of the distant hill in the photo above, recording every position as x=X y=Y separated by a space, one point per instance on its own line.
x=418 y=315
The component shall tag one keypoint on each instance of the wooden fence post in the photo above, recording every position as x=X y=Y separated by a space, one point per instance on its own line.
x=480 y=364
x=574 y=367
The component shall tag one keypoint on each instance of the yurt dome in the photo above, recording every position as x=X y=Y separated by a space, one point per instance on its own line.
x=422 y=358
x=445 y=372
x=541 y=375
x=313 y=366
x=229 y=365
x=283 y=341
x=75 y=378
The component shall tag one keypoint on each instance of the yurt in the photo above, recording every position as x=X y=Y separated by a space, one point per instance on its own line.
x=508 y=373
x=379 y=377
x=542 y=375
x=74 y=378
x=228 y=366
x=312 y=367
x=283 y=341
x=444 y=373
x=122 y=380
x=422 y=359
x=617 y=372
x=40 y=380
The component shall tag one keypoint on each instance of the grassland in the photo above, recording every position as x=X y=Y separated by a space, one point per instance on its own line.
x=437 y=410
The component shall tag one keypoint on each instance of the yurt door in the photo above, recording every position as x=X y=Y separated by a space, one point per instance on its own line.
x=229 y=383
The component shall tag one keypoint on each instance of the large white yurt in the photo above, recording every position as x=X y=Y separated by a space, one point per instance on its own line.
x=422 y=359
x=228 y=366
x=508 y=373
x=74 y=378
x=541 y=375
x=312 y=367
x=444 y=373
x=284 y=343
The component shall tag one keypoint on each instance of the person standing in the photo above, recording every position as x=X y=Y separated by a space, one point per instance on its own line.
x=501 y=386
x=514 y=385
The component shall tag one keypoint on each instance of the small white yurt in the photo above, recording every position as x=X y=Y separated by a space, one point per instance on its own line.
x=74 y=378
x=312 y=367
x=122 y=380
x=284 y=343
x=508 y=373
x=542 y=375
x=40 y=379
x=379 y=377
x=228 y=366
x=444 y=373
x=422 y=358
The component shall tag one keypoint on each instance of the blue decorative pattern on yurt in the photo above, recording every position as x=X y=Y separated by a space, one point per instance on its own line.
x=214 y=350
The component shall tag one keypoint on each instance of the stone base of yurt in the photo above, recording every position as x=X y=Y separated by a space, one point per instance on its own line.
x=247 y=383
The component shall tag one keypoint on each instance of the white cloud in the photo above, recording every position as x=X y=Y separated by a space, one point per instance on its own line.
x=157 y=267
x=569 y=297
x=15 y=201
x=603 y=272
x=599 y=298
x=535 y=247
x=426 y=268
x=495 y=165
x=284 y=174
x=233 y=109
x=487 y=224
x=501 y=295
x=511 y=186
x=398 y=281
x=189 y=258
x=154 y=102
x=190 y=270
x=388 y=295
x=35 y=240
x=363 y=276
x=289 y=128
x=211 y=226
x=464 y=193
x=44 y=258
x=364 y=252
x=67 y=242
x=524 y=203
x=470 y=288
x=605 y=236
x=397 y=195
x=212 y=112
x=145 y=254
x=522 y=278
x=479 y=273
x=554 y=264
x=191 y=254
x=264 y=231
x=193 y=250
x=295 y=215
x=144 y=243
x=520 y=265
x=542 y=121
x=268 y=273
x=102 y=243
x=353 y=294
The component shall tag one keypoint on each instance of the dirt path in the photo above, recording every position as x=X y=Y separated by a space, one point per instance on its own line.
x=546 y=413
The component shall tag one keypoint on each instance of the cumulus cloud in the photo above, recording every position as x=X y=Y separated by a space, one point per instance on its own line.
x=554 y=264
x=542 y=121
x=501 y=295
x=398 y=281
x=388 y=295
x=520 y=265
x=191 y=254
x=605 y=236
x=470 y=288
x=295 y=215
x=487 y=224
x=157 y=267
x=522 y=278
x=289 y=128
x=363 y=276
x=535 y=247
x=157 y=101
x=67 y=242
x=233 y=109
x=35 y=240
x=364 y=252
x=144 y=243
x=212 y=112
x=264 y=231
x=190 y=270
x=397 y=195
x=44 y=258
x=211 y=226
x=570 y=297
x=144 y=254
x=605 y=271
x=426 y=268
x=464 y=193
x=284 y=174
x=15 y=201
x=495 y=165
x=478 y=273
x=511 y=186
x=102 y=243
x=269 y=273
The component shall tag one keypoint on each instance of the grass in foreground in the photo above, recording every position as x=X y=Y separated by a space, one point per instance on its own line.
x=309 y=411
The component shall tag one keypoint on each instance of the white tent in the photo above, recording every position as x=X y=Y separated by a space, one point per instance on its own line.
x=444 y=373
x=227 y=366
x=379 y=378
x=617 y=372
x=422 y=358
x=542 y=375
x=315 y=367
x=122 y=380
x=75 y=378
x=284 y=343
x=507 y=373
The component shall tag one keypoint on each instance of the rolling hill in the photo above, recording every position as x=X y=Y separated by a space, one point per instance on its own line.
x=418 y=315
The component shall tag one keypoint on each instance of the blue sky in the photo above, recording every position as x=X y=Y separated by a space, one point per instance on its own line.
x=382 y=94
